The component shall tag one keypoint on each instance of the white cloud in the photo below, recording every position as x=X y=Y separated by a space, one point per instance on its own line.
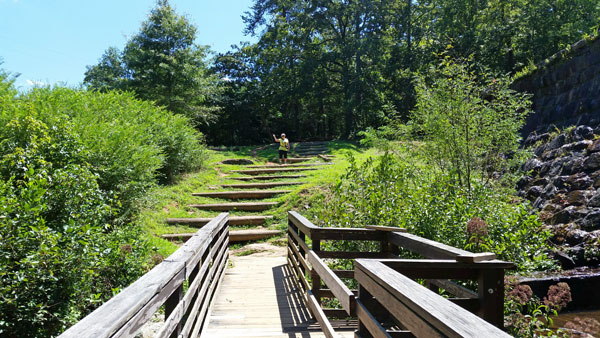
x=36 y=83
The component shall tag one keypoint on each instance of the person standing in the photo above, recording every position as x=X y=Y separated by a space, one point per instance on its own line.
x=284 y=147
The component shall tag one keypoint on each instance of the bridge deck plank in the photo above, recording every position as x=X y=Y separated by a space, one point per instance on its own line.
x=259 y=298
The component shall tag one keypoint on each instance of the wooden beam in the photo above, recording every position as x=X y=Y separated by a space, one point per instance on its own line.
x=253 y=206
x=269 y=177
x=384 y=228
x=423 y=312
x=335 y=284
x=318 y=313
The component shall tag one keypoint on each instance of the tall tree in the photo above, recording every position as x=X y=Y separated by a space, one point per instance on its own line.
x=161 y=63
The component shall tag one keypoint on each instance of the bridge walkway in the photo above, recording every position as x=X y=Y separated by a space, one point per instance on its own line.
x=259 y=297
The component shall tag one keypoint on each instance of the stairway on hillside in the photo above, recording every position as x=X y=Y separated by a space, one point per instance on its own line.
x=248 y=201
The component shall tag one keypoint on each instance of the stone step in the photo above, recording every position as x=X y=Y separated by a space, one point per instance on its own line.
x=242 y=194
x=300 y=165
x=233 y=220
x=270 y=177
x=243 y=206
x=269 y=171
x=260 y=185
x=234 y=236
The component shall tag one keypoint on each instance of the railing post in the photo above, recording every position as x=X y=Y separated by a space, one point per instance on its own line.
x=170 y=305
x=366 y=298
x=491 y=296
x=387 y=247
x=314 y=276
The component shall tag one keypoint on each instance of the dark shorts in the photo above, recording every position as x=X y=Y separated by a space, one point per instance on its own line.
x=283 y=154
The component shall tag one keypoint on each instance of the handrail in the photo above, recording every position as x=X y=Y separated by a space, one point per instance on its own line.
x=201 y=261
x=419 y=310
x=442 y=264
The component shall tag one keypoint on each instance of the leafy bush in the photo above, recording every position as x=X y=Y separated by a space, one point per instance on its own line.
x=130 y=143
x=470 y=120
x=397 y=192
x=72 y=163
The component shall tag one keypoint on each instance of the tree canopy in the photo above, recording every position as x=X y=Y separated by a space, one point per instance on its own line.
x=330 y=68
x=161 y=63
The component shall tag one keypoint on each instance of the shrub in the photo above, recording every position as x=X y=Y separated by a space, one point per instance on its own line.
x=130 y=143
x=470 y=120
x=72 y=163
x=395 y=192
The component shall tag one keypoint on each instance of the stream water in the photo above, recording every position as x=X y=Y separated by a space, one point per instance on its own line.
x=563 y=318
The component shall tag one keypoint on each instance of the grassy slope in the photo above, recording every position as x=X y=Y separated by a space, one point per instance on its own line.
x=171 y=201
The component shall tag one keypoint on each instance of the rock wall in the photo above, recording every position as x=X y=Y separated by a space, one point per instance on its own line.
x=565 y=88
x=564 y=184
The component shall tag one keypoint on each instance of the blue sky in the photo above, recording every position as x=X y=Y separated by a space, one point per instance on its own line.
x=52 y=41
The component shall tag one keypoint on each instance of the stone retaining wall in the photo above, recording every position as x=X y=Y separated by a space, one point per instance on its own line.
x=564 y=184
x=565 y=88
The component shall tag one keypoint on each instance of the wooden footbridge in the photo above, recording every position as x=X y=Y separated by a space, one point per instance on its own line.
x=333 y=282
x=371 y=292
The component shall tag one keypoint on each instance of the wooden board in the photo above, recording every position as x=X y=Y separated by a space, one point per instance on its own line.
x=242 y=194
x=260 y=185
x=233 y=220
x=423 y=312
x=234 y=236
x=258 y=206
x=384 y=228
x=269 y=177
x=288 y=165
x=270 y=171
x=259 y=298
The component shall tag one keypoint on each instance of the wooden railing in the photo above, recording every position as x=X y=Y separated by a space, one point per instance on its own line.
x=198 y=265
x=382 y=305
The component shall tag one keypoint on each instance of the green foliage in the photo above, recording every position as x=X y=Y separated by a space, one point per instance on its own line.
x=72 y=165
x=395 y=191
x=327 y=69
x=129 y=142
x=470 y=120
x=162 y=64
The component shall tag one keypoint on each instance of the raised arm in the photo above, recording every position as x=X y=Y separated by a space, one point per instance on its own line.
x=275 y=138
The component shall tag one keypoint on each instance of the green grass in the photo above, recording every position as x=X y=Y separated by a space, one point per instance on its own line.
x=170 y=201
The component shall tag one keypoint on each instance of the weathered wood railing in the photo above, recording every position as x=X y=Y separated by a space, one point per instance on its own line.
x=376 y=318
x=198 y=265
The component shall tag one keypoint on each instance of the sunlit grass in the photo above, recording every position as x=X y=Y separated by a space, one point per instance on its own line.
x=171 y=201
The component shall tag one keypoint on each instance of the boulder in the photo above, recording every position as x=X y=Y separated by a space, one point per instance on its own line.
x=557 y=142
x=563 y=216
x=592 y=162
x=556 y=166
x=577 y=197
x=573 y=165
x=566 y=262
x=575 y=236
x=594 y=201
x=594 y=147
x=533 y=192
x=576 y=146
x=540 y=181
x=560 y=182
x=591 y=222
x=579 y=181
x=583 y=133
x=532 y=165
